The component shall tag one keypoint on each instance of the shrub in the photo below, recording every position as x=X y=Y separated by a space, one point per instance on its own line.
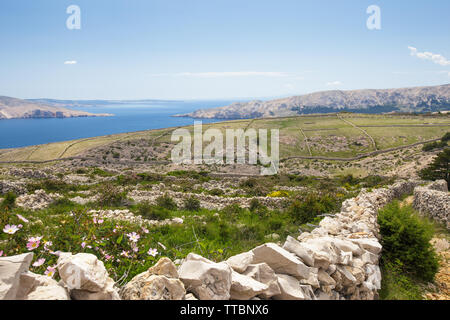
x=406 y=241
x=109 y=195
x=439 y=168
x=216 y=192
x=9 y=201
x=146 y=210
x=254 y=204
x=192 y=204
x=166 y=202
x=305 y=210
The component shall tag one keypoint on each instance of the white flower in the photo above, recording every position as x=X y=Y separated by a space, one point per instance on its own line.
x=133 y=236
x=152 y=252
x=10 y=229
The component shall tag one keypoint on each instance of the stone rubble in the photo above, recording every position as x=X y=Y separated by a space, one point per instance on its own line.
x=37 y=200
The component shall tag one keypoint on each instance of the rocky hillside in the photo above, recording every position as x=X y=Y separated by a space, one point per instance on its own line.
x=419 y=99
x=12 y=108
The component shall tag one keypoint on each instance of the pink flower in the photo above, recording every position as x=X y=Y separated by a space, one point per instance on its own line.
x=145 y=230
x=1 y=253
x=39 y=262
x=125 y=254
x=152 y=252
x=10 y=229
x=22 y=218
x=33 y=243
x=108 y=257
x=20 y=226
x=50 y=272
x=100 y=221
x=83 y=244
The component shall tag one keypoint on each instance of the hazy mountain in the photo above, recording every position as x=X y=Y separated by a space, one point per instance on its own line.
x=12 y=108
x=418 y=99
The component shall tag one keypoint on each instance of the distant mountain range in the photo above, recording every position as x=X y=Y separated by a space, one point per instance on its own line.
x=418 y=99
x=12 y=108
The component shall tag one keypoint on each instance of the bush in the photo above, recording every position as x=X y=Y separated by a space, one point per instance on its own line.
x=146 y=210
x=439 y=168
x=109 y=195
x=192 y=204
x=306 y=210
x=406 y=241
x=166 y=202
x=9 y=201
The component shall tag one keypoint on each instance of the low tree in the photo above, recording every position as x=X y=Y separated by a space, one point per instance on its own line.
x=439 y=168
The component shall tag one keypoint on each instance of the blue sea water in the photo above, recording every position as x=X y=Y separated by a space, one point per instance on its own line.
x=127 y=118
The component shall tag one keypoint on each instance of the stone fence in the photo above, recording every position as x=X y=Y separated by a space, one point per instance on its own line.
x=434 y=200
x=336 y=261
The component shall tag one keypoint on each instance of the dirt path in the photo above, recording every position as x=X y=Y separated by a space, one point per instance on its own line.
x=306 y=141
x=360 y=129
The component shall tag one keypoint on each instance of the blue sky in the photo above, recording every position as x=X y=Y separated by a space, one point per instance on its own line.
x=214 y=49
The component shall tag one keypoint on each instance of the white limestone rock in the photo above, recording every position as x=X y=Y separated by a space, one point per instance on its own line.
x=304 y=253
x=291 y=289
x=11 y=269
x=263 y=273
x=281 y=260
x=206 y=279
x=240 y=262
x=244 y=287
x=39 y=287
x=86 y=277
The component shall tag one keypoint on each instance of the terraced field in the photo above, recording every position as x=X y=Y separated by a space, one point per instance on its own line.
x=323 y=136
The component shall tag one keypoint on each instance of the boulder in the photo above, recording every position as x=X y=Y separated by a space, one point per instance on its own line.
x=86 y=277
x=38 y=287
x=245 y=287
x=281 y=260
x=206 y=279
x=11 y=269
x=304 y=253
x=159 y=282
x=291 y=289
x=332 y=226
x=240 y=262
x=263 y=273
x=324 y=251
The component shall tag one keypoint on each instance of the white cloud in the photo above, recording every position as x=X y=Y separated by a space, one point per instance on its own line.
x=334 y=84
x=436 y=58
x=70 y=62
x=224 y=74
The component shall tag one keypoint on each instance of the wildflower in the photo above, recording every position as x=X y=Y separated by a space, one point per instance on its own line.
x=125 y=254
x=145 y=230
x=1 y=253
x=50 y=272
x=22 y=218
x=33 y=243
x=83 y=244
x=56 y=253
x=47 y=244
x=10 y=229
x=39 y=262
x=152 y=252
x=133 y=236
x=20 y=226
x=108 y=257
x=100 y=221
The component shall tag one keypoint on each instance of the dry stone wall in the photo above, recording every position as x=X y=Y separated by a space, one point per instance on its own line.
x=336 y=261
x=434 y=200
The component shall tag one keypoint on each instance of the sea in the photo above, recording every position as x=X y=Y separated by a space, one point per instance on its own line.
x=131 y=117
